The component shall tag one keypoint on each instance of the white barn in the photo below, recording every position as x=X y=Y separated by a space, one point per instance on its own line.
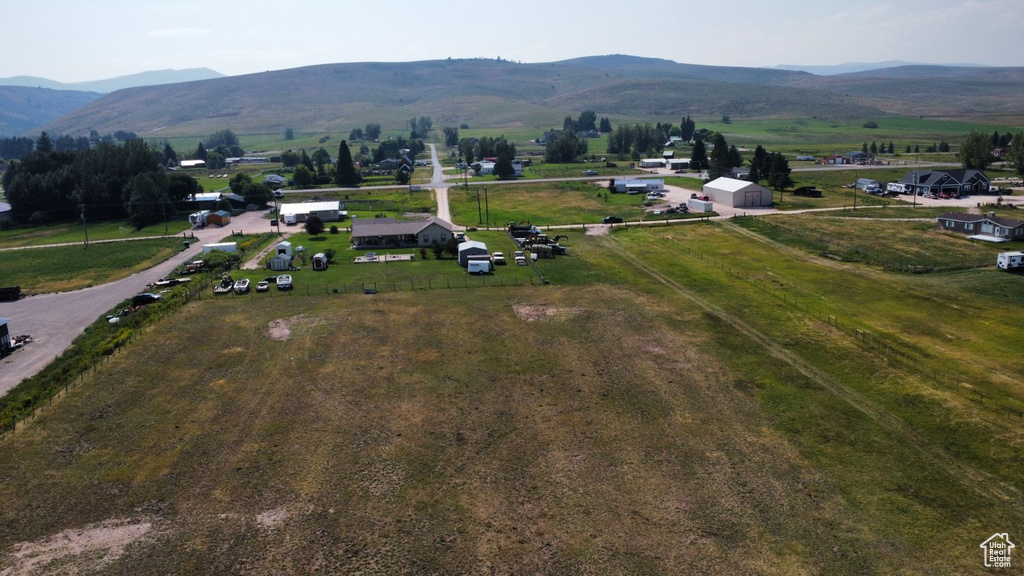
x=638 y=185
x=737 y=193
x=329 y=211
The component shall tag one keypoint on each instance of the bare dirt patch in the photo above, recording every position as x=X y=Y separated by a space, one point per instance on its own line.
x=91 y=547
x=601 y=230
x=534 y=312
x=279 y=330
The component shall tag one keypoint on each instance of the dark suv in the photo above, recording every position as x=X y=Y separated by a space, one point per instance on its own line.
x=611 y=220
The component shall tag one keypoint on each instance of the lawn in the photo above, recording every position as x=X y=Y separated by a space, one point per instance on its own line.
x=421 y=273
x=392 y=203
x=64 y=268
x=543 y=204
x=72 y=232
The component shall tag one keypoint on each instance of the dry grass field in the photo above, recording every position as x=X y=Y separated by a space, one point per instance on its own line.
x=630 y=419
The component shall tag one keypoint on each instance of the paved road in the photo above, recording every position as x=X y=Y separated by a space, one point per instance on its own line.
x=440 y=187
x=55 y=320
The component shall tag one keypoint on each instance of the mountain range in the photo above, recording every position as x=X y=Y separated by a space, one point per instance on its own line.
x=499 y=93
x=150 y=78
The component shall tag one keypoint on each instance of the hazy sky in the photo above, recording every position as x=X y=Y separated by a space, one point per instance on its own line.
x=98 y=39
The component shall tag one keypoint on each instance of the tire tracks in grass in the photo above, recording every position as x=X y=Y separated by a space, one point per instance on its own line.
x=977 y=481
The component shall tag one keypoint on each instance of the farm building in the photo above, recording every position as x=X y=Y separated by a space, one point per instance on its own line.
x=471 y=248
x=328 y=211
x=218 y=218
x=388 y=232
x=983 y=226
x=738 y=193
x=679 y=164
x=638 y=186
x=274 y=180
x=652 y=163
x=948 y=182
x=192 y=163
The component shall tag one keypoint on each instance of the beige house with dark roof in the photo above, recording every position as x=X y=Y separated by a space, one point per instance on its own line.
x=391 y=233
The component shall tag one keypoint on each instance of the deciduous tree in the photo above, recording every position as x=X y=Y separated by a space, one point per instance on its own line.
x=314 y=225
x=1015 y=154
x=976 y=151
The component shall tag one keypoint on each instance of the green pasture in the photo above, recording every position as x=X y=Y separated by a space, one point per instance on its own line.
x=73 y=232
x=543 y=204
x=65 y=268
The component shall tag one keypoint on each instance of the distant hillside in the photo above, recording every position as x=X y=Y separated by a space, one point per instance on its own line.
x=24 y=109
x=925 y=90
x=855 y=67
x=478 y=92
x=150 y=78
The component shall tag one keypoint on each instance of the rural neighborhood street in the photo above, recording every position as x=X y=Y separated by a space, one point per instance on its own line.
x=55 y=320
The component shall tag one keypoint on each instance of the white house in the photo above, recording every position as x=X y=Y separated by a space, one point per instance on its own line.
x=737 y=193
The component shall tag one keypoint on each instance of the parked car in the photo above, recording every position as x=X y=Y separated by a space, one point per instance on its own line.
x=590 y=172
x=145 y=298
x=284 y=282
x=499 y=259
x=262 y=286
x=611 y=220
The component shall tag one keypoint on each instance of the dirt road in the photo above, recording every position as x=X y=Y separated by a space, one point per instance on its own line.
x=55 y=320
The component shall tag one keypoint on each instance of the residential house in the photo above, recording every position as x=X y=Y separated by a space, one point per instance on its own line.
x=987 y=225
x=391 y=233
x=948 y=182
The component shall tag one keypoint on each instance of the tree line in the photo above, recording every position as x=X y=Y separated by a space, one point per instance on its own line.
x=109 y=181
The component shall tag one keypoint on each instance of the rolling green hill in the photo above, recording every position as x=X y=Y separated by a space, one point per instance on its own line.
x=503 y=94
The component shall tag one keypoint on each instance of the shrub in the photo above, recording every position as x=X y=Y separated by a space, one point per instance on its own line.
x=330 y=253
x=871 y=124
x=334 y=229
x=38 y=218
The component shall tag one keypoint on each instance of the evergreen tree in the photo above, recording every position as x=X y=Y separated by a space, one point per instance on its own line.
x=908 y=149
x=891 y=148
x=735 y=158
x=345 y=174
x=687 y=128
x=995 y=139
x=699 y=156
x=200 y=152
x=169 y=153
x=874 y=148
x=306 y=161
x=719 y=164
x=43 y=143
x=864 y=148
x=606 y=126
x=1015 y=153
x=503 y=167
x=314 y=225
x=779 y=174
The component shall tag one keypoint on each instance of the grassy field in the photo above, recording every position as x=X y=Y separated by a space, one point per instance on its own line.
x=544 y=204
x=656 y=413
x=64 y=268
x=67 y=232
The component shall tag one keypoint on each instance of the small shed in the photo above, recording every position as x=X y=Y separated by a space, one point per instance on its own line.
x=319 y=261
x=471 y=248
x=218 y=218
x=279 y=263
x=284 y=248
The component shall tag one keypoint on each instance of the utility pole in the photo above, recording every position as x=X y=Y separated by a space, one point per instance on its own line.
x=487 y=208
x=84 y=227
x=856 y=180
x=479 y=214
x=164 y=214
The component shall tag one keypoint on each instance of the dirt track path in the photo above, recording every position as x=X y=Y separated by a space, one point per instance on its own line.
x=980 y=482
